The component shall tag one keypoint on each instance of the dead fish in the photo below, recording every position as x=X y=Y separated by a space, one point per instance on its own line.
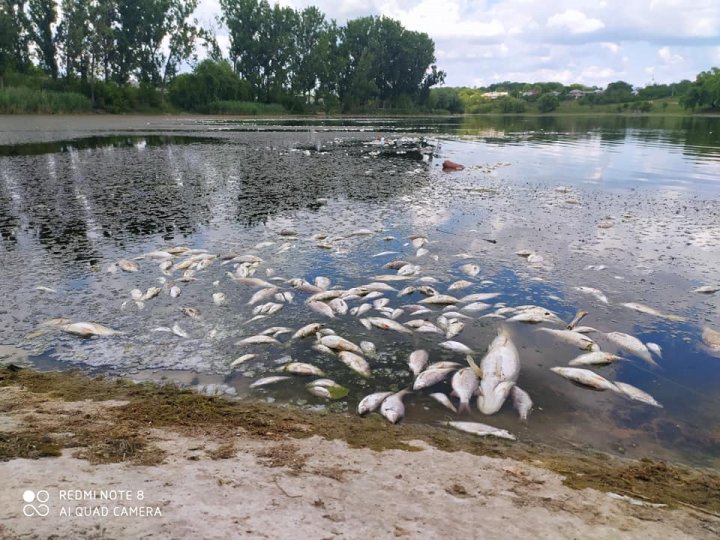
x=393 y=408
x=378 y=287
x=580 y=341
x=152 y=292
x=654 y=348
x=427 y=290
x=45 y=289
x=439 y=299
x=481 y=430
x=252 y=282
x=321 y=308
x=285 y=296
x=524 y=253
x=711 y=338
x=637 y=394
x=597 y=293
x=429 y=328
x=632 y=345
x=457 y=285
x=417 y=361
x=642 y=308
x=444 y=364
x=585 y=377
x=174 y=291
x=476 y=307
x=597 y=358
x=395 y=265
x=534 y=315
x=479 y=297
x=136 y=294
x=416 y=323
x=338 y=305
x=499 y=370
x=322 y=282
x=521 y=401
x=218 y=298
x=388 y=324
x=263 y=294
x=429 y=377
x=165 y=267
x=368 y=348
x=707 y=289
x=267 y=309
x=83 y=329
x=128 y=266
x=406 y=291
x=179 y=331
x=322 y=349
x=585 y=329
x=456 y=346
x=361 y=309
x=191 y=312
x=464 y=383
x=276 y=331
x=419 y=242
x=454 y=328
x=242 y=359
x=340 y=344
x=535 y=258
x=258 y=340
x=269 y=380
x=384 y=253
x=355 y=362
x=470 y=269
x=159 y=255
x=326 y=388
x=324 y=296
x=421 y=252
x=391 y=277
x=408 y=270
x=307 y=330
x=370 y=403
x=301 y=368
x=443 y=400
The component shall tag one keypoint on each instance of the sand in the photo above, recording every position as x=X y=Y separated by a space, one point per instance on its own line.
x=241 y=487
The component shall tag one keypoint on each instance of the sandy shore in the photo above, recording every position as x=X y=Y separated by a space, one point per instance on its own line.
x=253 y=477
x=322 y=489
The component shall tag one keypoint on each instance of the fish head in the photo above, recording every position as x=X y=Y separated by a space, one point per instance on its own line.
x=490 y=402
x=392 y=415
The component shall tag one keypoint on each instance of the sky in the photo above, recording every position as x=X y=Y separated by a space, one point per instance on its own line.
x=479 y=42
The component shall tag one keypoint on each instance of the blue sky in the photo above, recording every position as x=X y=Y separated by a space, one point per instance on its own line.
x=478 y=42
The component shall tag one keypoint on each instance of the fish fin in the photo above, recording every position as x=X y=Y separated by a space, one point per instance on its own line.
x=471 y=362
x=463 y=408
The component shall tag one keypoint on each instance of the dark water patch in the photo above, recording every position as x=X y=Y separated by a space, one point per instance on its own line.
x=95 y=142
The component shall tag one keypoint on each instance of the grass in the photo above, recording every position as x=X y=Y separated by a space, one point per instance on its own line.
x=21 y=100
x=121 y=433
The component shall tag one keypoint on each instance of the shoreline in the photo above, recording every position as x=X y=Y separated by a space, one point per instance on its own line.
x=101 y=433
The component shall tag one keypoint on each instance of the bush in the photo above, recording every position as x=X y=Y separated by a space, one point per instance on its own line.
x=508 y=105
x=547 y=103
x=211 y=81
x=21 y=99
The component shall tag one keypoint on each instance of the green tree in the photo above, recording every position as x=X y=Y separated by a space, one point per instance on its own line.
x=547 y=103
x=42 y=17
x=704 y=92
x=509 y=104
x=14 y=37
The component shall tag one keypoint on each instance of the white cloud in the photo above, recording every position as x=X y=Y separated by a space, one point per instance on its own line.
x=575 y=21
x=668 y=57
x=610 y=46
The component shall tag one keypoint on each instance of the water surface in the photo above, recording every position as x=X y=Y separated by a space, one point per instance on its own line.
x=637 y=196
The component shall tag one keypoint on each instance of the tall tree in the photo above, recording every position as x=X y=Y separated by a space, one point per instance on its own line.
x=14 y=37
x=42 y=16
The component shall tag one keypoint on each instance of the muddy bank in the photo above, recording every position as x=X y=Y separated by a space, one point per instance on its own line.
x=196 y=455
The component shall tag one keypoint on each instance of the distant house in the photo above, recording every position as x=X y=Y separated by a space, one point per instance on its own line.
x=576 y=94
x=494 y=95
x=530 y=93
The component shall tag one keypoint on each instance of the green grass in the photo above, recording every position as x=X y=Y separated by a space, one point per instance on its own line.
x=245 y=108
x=19 y=100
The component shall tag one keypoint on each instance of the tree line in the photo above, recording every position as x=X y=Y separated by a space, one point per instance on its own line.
x=121 y=53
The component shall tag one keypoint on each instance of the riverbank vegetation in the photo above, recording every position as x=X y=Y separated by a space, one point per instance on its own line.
x=115 y=56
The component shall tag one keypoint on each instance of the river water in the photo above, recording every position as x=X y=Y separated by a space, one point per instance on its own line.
x=628 y=206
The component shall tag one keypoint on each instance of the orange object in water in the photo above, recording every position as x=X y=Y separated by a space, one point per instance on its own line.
x=452 y=166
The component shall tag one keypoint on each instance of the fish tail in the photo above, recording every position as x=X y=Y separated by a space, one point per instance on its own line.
x=464 y=407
